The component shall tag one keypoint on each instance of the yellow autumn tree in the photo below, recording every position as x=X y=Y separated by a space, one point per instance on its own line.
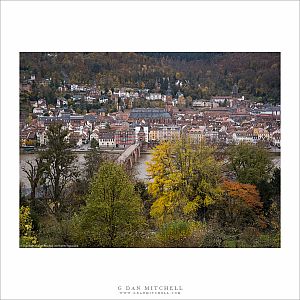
x=27 y=235
x=185 y=180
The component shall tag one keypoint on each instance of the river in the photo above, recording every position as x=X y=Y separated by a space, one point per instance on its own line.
x=30 y=157
x=139 y=168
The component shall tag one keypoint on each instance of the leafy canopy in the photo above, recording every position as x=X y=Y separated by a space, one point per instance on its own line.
x=27 y=235
x=240 y=206
x=112 y=216
x=185 y=180
x=59 y=167
x=250 y=163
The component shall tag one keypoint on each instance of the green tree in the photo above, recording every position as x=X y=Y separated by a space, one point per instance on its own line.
x=93 y=160
x=276 y=183
x=185 y=180
x=141 y=188
x=59 y=168
x=269 y=190
x=94 y=144
x=28 y=120
x=250 y=163
x=112 y=216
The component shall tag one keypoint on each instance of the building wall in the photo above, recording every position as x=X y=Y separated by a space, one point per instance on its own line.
x=146 y=130
x=124 y=138
x=167 y=133
x=153 y=135
x=107 y=143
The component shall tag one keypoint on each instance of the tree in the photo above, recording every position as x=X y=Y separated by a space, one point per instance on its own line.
x=112 y=216
x=78 y=111
x=250 y=163
x=59 y=169
x=28 y=120
x=27 y=235
x=34 y=172
x=270 y=190
x=94 y=144
x=185 y=180
x=275 y=182
x=240 y=206
x=141 y=188
x=93 y=160
x=142 y=85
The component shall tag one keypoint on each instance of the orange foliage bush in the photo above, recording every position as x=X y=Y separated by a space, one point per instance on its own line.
x=246 y=194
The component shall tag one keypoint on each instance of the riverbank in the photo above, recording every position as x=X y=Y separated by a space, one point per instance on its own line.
x=147 y=152
x=77 y=151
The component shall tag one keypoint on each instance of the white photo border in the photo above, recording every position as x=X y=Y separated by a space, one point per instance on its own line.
x=252 y=26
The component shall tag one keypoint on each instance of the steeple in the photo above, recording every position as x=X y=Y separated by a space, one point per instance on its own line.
x=169 y=98
x=235 y=90
x=169 y=90
x=157 y=86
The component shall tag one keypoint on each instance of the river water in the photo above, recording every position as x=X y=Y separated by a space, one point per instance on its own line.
x=139 y=168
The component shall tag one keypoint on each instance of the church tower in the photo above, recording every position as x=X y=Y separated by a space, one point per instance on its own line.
x=156 y=86
x=141 y=135
x=169 y=98
x=235 y=91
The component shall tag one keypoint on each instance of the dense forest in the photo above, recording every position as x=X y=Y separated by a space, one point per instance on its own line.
x=199 y=75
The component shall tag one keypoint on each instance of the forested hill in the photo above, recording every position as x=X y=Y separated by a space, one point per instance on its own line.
x=186 y=56
x=200 y=75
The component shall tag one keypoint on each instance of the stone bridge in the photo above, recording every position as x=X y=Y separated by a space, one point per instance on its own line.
x=130 y=155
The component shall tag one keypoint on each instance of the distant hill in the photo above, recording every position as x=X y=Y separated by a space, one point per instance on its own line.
x=200 y=75
x=186 y=56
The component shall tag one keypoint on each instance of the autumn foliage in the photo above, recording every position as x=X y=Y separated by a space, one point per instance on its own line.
x=185 y=181
x=246 y=192
x=241 y=205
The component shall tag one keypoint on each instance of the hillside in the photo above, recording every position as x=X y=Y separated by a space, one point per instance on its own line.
x=200 y=75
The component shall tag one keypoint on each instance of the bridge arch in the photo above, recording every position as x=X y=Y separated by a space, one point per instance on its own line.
x=130 y=155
